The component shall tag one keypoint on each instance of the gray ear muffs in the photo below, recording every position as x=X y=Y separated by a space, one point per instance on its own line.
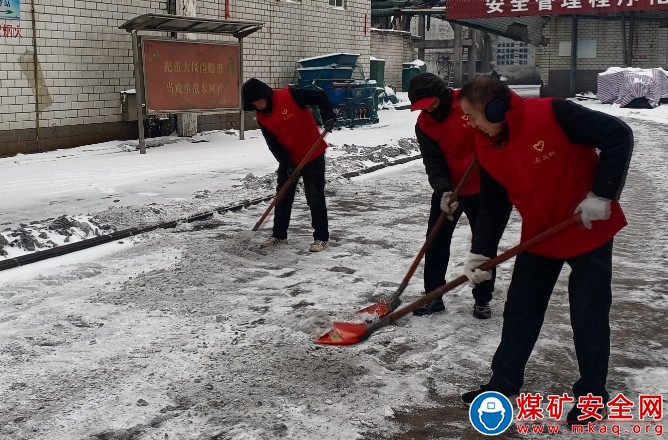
x=495 y=110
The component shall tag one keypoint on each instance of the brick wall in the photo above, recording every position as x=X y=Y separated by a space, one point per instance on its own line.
x=396 y=48
x=84 y=61
x=650 y=49
x=297 y=30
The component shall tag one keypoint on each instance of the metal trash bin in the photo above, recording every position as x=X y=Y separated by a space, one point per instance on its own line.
x=377 y=71
x=408 y=72
x=129 y=105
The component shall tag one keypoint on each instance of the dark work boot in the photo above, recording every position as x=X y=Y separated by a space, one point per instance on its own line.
x=431 y=307
x=482 y=310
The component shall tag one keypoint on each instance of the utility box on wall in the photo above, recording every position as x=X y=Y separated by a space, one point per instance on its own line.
x=128 y=105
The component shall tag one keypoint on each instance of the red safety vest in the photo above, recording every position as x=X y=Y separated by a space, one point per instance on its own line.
x=293 y=126
x=455 y=137
x=547 y=177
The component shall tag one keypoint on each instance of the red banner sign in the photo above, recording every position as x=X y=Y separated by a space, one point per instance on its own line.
x=462 y=9
x=184 y=75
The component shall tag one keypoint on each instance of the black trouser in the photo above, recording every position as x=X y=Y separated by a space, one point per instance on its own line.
x=438 y=255
x=589 y=297
x=313 y=174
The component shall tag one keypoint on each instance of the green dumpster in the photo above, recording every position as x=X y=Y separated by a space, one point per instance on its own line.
x=377 y=71
x=408 y=72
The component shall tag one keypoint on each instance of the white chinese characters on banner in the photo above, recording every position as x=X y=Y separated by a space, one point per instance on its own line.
x=571 y=4
x=462 y=9
x=544 y=5
x=519 y=5
x=494 y=6
x=599 y=3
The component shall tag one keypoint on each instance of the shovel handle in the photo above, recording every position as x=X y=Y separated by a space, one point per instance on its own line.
x=288 y=183
x=507 y=255
x=435 y=229
x=461 y=183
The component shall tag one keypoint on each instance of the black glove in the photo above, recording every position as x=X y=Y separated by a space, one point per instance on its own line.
x=330 y=124
x=291 y=173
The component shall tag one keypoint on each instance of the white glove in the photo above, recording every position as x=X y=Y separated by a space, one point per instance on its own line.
x=593 y=208
x=471 y=271
x=446 y=206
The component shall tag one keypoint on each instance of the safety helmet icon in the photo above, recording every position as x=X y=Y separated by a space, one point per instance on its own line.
x=491 y=413
x=491 y=405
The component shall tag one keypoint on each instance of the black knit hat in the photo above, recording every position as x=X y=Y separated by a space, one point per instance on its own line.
x=252 y=90
x=426 y=85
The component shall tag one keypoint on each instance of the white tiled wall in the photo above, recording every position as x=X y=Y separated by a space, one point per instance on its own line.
x=84 y=60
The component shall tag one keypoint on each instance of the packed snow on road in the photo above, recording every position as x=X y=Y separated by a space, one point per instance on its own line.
x=194 y=332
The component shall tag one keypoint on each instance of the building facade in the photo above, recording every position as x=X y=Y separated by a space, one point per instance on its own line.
x=62 y=83
x=602 y=43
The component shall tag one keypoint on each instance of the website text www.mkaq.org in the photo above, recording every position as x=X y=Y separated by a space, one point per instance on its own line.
x=596 y=416
x=618 y=429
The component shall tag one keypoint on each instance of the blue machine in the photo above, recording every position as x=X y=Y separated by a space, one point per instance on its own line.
x=354 y=98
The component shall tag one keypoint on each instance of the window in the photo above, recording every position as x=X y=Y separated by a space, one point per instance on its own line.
x=337 y=3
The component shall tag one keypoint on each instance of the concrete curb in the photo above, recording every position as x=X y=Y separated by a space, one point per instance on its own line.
x=119 y=235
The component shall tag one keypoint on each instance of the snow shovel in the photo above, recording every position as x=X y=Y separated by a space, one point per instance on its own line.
x=385 y=306
x=288 y=183
x=348 y=333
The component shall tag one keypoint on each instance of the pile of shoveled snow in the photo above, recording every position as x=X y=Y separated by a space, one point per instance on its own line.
x=38 y=235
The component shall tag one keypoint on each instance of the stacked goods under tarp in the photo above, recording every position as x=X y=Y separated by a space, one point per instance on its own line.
x=627 y=86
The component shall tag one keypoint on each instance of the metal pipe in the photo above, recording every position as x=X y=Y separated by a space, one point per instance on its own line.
x=457 y=56
x=139 y=91
x=403 y=11
x=35 y=72
x=574 y=53
x=625 y=54
x=421 y=34
x=389 y=4
x=632 y=29
x=241 y=82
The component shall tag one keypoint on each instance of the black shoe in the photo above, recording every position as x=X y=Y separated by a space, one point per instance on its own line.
x=469 y=397
x=575 y=412
x=431 y=307
x=482 y=310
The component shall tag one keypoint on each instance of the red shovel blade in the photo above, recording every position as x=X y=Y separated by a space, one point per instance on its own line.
x=343 y=333
x=381 y=309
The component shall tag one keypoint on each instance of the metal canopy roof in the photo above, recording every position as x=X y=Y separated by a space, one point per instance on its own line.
x=178 y=23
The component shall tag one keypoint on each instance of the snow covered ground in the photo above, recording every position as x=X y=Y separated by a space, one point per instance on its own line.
x=195 y=333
